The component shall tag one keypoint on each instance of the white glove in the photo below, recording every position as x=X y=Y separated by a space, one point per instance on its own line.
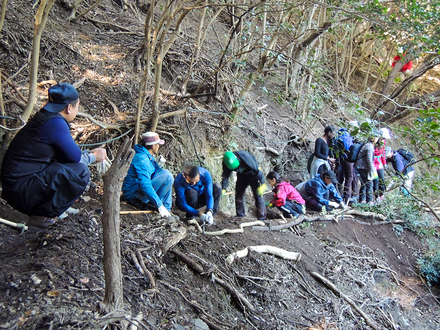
x=164 y=212
x=161 y=161
x=104 y=166
x=342 y=205
x=208 y=218
x=333 y=204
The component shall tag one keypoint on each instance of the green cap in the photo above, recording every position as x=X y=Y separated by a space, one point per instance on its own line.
x=230 y=160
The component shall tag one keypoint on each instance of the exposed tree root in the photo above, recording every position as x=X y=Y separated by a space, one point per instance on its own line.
x=329 y=284
x=264 y=249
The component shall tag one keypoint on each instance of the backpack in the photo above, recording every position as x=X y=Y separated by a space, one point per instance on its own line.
x=407 y=156
x=342 y=144
x=346 y=138
x=353 y=152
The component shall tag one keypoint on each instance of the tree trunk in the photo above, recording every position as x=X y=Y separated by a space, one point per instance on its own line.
x=2 y=14
x=40 y=22
x=113 y=299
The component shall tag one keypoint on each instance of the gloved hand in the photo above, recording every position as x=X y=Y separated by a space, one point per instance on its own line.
x=104 y=166
x=223 y=192
x=161 y=162
x=209 y=218
x=164 y=212
x=269 y=204
x=333 y=204
x=375 y=175
x=261 y=189
x=303 y=208
x=342 y=205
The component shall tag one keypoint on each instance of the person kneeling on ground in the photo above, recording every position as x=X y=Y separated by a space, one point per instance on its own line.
x=248 y=174
x=287 y=199
x=320 y=192
x=44 y=172
x=147 y=185
x=194 y=189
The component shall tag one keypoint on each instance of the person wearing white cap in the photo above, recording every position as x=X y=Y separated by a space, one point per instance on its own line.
x=147 y=185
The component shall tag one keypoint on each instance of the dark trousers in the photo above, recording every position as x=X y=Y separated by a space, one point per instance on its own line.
x=350 y=179
x=244 y=181
x=197 y=201
x=366 y=189
x=379 y=183
x=314 y=205
x=291 y=208
x=50 y=192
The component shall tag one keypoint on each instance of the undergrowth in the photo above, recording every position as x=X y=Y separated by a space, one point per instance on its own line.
x=397 y=206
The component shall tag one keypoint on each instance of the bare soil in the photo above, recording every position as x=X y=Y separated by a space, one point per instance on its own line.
x=53 y=279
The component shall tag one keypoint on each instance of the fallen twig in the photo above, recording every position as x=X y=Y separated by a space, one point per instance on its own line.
x=329 y=284
x=145 y=269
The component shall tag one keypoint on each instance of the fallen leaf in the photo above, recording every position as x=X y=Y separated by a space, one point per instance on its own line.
x=53 y=293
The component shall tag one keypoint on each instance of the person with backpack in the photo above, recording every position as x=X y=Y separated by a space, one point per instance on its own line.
x=365 y=167
x=321 y=161
x=380 y=163
x=400 y=160
x=286 y=198
x=346 y=176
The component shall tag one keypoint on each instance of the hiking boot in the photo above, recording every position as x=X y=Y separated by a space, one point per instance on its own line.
x=40 y=221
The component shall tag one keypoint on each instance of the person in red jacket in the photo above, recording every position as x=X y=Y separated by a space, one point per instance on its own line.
x=407 y=67
x=287 y=199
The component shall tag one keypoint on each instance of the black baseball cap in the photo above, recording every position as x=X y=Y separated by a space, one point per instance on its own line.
x=60 y=95
x=330 y=174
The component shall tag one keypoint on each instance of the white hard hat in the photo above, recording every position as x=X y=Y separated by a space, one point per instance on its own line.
x=385 y=133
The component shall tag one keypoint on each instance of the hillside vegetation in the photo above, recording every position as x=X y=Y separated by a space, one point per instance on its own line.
x=209 y=77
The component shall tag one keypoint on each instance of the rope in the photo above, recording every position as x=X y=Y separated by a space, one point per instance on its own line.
x=105 y=142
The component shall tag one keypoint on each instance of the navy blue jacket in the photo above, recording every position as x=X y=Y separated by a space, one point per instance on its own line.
x=204 y=186
x=399 y=164
x=316 y=189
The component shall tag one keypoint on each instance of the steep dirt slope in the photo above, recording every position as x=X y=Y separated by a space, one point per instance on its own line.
x=53 y=279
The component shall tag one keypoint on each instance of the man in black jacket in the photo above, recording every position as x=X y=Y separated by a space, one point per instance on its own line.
x=44 y=172
x=248 y=174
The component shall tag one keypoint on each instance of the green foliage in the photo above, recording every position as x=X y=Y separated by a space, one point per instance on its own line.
x=430 y=263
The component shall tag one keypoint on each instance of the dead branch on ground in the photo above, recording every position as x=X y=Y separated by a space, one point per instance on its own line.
x=329 y=284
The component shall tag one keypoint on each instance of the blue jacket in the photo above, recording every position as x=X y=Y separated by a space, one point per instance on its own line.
x=142 y=170
x=316 y=189
x=204 y=186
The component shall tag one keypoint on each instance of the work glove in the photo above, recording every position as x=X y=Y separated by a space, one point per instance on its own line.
x=164 y=212
x=269 y=204
x=223 y=192
x=261 y=189
x=161 y=162
x=303 y=208
x=333 y=204
x=342 y=205
x=207 y=218
x=375 y=175
x=104 y=166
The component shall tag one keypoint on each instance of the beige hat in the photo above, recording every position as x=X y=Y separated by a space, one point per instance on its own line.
x=152 y=138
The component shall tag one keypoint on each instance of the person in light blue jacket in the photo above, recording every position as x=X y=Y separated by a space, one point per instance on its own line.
x=194 y=189
x=146 y=183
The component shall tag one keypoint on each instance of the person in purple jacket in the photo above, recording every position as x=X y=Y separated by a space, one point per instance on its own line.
x=194 y=189
x=44 y=172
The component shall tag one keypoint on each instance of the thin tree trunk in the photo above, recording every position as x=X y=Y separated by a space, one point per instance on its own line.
x=40 y=22
x=3 y=13
x=114 y=296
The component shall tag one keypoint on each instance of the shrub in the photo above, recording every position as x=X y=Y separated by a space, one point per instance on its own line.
x=430 y=263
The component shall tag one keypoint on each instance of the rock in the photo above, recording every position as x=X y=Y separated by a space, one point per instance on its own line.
x=200 y=324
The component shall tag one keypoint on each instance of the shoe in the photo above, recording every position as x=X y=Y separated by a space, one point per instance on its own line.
x=40 y=221
x=137 y=203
